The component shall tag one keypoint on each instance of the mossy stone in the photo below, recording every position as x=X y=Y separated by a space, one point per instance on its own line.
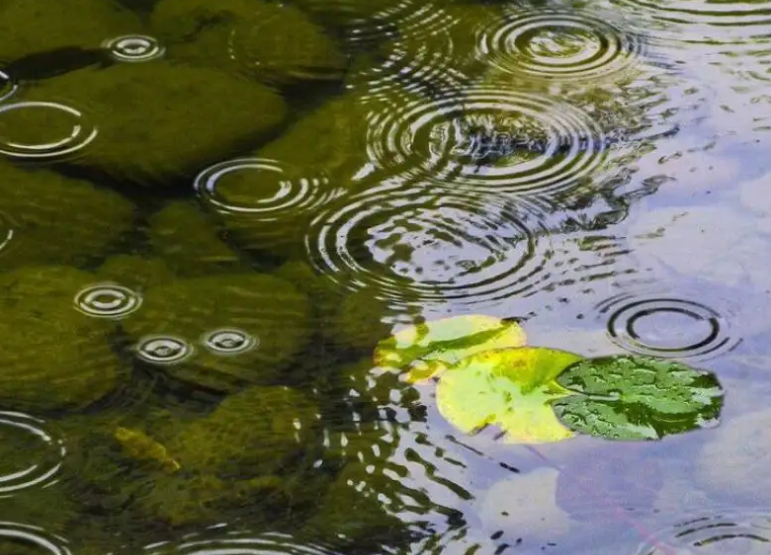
x=135 y=271
x=275 y=43
x=32 y=26
x=156 y=122
x=57 y=357
x=57 y=220
x=268 y=310
x=186 y=238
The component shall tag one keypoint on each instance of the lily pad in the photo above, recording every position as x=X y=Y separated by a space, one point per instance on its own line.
x=431 y=347
x=509 y=388
x=637 y=398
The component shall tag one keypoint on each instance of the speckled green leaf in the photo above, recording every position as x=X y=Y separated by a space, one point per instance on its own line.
x=637 y=398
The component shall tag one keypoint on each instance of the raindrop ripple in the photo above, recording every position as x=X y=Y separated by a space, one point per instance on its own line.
x=627 y=327
x=107 y=300
x=431 y=246
x=15 y=535
x=728 y=533
x=43 y=462
x=217 y=539
x=81 y=133
x=229 y=341
x=561 y=45
x=134 y=48
x=488 y=140
x=163 y=349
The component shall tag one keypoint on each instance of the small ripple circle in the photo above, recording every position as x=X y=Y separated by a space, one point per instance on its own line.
x=134 y=48
x=42 y=453
x=229 y=341
x=164 y=349
x=666 y=327
x=430 y=245
x=107 y=300
x=79 y=134
x=31 y=539
x=259 y=188
x=719 y=533
x=554 y=44
x=488 y=139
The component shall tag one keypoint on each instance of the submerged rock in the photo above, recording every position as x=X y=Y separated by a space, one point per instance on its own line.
x=29 y=26
x=56 y=220
x=187 y=241
x=239 y=329
x=55 y=357
x=135 y=271
x=156 y=122
x=274 y=42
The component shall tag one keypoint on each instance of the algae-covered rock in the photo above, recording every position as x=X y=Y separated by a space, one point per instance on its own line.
x=253 y=433
x=55 y=357
x=357 y=323
x=135 y=271
x=187 y=241
x=276 y=43
x=241 y=328
x=156 y=121
x=29 y=26
x=56 y=220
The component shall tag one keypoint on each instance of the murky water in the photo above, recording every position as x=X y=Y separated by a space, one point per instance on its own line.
x=221 y=220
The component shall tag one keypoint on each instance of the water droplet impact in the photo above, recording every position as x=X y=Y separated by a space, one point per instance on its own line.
x=430 y=246
x=259 y=188
x=686 y=22
x=553 y=44
x=41 y=454
x=665 y=327
x=8 y=86
x=134 y=48
x=719 y=534
x=21 y=124
x=24 y=538
x=229 y=341
x=489 y=140
x=164 y=349
x=217 y=539
x=107 y=300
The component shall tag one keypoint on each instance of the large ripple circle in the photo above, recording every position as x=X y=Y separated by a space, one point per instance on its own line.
x=217 y=540
x=553 y=44
x=107 y=300
x=488 y=139
x=666 y=326
x=727 y=533
x=43 y=450
x=430 y=246
x=31 y=539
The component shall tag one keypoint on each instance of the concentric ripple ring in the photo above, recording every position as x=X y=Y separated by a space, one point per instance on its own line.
x=164 y=349
x=629 y=314
x=229 y=341
x=259 y=188
x=134 y=48
x=107 y=300
x=489 y=140
x=14 y=533
x=44 y=460
x=559 y=45
x=423 y=246
x=222 y=542
x=728 y=533
x=81 y=134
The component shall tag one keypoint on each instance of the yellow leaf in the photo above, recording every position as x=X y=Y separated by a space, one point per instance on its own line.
x=139 y=446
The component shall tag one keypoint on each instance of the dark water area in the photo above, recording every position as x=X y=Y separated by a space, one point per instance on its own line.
x=446 y=277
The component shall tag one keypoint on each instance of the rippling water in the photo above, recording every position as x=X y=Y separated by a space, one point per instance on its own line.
x=213 y=212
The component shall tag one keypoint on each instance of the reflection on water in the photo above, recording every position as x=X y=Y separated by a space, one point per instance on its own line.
x=214 y=214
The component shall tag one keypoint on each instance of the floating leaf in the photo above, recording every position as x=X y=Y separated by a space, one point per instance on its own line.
x=509 y=388
x=429 y=348
x=637 y=398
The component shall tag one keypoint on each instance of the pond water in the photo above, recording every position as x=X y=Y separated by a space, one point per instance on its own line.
x=385 y=276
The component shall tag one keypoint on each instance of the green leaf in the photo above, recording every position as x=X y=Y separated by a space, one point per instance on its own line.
x=509 y=388
x=637 y=398
x=429 y=348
